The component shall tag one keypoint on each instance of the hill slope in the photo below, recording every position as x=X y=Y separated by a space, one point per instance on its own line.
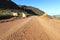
x=8 y=4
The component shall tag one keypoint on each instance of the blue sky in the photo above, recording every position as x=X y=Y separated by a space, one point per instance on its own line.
x=51 y=7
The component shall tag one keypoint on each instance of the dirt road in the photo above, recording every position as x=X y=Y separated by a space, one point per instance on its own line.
x=32 y=28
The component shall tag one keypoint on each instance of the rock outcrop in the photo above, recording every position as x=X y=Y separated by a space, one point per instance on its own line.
x=32 y=10
x=8 y=4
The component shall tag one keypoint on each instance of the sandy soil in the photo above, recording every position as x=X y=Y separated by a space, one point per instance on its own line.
x=32 y=28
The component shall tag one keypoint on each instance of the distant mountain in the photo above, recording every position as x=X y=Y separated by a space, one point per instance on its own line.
x=31 y=10
x=56 y=16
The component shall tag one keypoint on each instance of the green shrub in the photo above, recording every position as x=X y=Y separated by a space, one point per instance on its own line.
x=6 y=13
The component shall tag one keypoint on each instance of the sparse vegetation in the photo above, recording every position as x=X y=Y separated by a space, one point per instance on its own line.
x=58 y=18
x=7 y=13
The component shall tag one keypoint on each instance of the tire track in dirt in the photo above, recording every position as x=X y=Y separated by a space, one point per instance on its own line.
x=31 y=31
x=50 y=26
x=14 y=28
x=35 y=28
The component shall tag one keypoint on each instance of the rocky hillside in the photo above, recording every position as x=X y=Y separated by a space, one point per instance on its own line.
x=8 y=4
x=8 y=7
